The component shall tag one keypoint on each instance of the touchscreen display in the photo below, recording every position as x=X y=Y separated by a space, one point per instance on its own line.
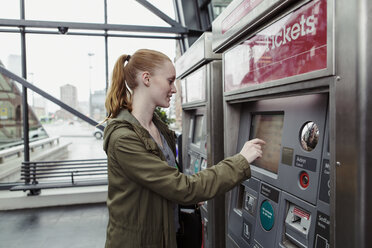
x=268 y=127
x=198 y=130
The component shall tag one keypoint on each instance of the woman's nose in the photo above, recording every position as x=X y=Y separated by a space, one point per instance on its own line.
x=173 y=89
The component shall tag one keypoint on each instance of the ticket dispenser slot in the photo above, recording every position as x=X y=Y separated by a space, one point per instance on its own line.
x=297 y=225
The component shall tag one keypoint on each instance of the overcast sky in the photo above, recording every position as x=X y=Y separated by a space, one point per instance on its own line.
x=55 y=60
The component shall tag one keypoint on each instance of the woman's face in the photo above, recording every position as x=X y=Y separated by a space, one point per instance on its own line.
x=162 y=83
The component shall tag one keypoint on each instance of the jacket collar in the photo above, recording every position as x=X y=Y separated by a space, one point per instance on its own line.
x=169 y=135
x=125 y=115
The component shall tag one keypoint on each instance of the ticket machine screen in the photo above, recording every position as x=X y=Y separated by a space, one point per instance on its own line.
x=268 y=127
x=198 y=130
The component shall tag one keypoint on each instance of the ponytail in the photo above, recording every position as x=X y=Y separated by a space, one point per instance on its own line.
x=124 y=78
x=118 y=95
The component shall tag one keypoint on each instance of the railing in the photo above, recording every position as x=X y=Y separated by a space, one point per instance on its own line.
x=18 y=150
x=39 y=175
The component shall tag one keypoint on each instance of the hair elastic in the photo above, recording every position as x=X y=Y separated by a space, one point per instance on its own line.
x=127 y=58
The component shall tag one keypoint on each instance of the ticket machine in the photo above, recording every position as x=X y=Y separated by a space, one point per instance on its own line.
x=277 y=72
x=201 y=87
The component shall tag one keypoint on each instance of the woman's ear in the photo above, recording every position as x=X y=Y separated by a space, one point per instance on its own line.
x=146 y=78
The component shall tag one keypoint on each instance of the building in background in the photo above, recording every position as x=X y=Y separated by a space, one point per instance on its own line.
x=39 y=106
x=98 y=105
x=11 y=128
x=83 y=107
x=14 y=64
x=68 y=95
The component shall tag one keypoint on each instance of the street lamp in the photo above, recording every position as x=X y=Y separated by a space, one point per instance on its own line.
x=90 y=84
x=31 y=80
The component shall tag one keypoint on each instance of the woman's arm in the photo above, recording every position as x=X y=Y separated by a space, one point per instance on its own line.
x=148 y=170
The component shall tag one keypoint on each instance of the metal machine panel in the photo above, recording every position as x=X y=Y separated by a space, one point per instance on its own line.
x=238 y=17
x=324 y=192
x=294 y=130
x=198 y=54
x=235 y=216
x=196 y=139
x=203 y=140
x=243 y=212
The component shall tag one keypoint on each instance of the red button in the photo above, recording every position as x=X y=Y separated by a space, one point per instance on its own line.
x=304 y=179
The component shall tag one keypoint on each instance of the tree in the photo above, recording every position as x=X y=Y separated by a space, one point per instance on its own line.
x=163 y=116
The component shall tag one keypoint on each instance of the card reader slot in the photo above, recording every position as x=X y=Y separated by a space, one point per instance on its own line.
x=297 y=226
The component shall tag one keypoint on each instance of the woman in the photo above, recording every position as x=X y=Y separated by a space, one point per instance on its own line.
x=144 y=182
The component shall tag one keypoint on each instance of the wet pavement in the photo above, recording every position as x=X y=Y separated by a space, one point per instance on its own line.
x=82 y=226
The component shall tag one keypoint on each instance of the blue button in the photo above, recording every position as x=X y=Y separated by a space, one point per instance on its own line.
x=267 y=215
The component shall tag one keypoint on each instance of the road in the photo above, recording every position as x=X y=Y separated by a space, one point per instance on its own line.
x=83 y=144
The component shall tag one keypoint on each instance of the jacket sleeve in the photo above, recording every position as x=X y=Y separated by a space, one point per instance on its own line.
x=148 y=170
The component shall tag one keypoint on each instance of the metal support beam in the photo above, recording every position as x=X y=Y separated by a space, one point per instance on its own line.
x=44 y=94
x=26 y=141
x=65 y=26
x=95 y=34
x=160 y=14
x=106 y=52
x=190 y=16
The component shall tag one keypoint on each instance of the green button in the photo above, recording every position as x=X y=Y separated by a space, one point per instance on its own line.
x=196 y=166
x=267 y=215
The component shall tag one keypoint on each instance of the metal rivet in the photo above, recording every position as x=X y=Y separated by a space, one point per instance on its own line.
x=338 y=164
x=338 y=78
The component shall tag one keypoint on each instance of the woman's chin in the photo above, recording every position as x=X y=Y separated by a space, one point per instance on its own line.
x=166 y=105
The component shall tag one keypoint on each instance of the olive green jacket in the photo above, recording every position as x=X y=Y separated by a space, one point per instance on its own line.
x=143 y=188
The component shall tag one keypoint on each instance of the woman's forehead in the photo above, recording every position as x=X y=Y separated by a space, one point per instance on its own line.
x=168 y=68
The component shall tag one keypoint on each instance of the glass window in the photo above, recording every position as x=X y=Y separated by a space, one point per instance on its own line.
x=119 y=46
x=9 y=9
x=10 y=113
x=72 y=69
x=66 y=10
x=219 y=6
x=127 y=12
x=10 y=52
x=165 y=6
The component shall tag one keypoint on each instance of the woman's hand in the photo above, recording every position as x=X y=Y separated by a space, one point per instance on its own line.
x=252 y=149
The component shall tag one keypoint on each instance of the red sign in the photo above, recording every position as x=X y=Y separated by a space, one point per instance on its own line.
x=294 y=45
x=238 y=13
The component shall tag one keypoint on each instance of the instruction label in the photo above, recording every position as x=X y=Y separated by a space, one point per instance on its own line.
x=305 y=163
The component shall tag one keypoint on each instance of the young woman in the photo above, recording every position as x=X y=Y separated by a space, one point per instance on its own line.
x=145 y=184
